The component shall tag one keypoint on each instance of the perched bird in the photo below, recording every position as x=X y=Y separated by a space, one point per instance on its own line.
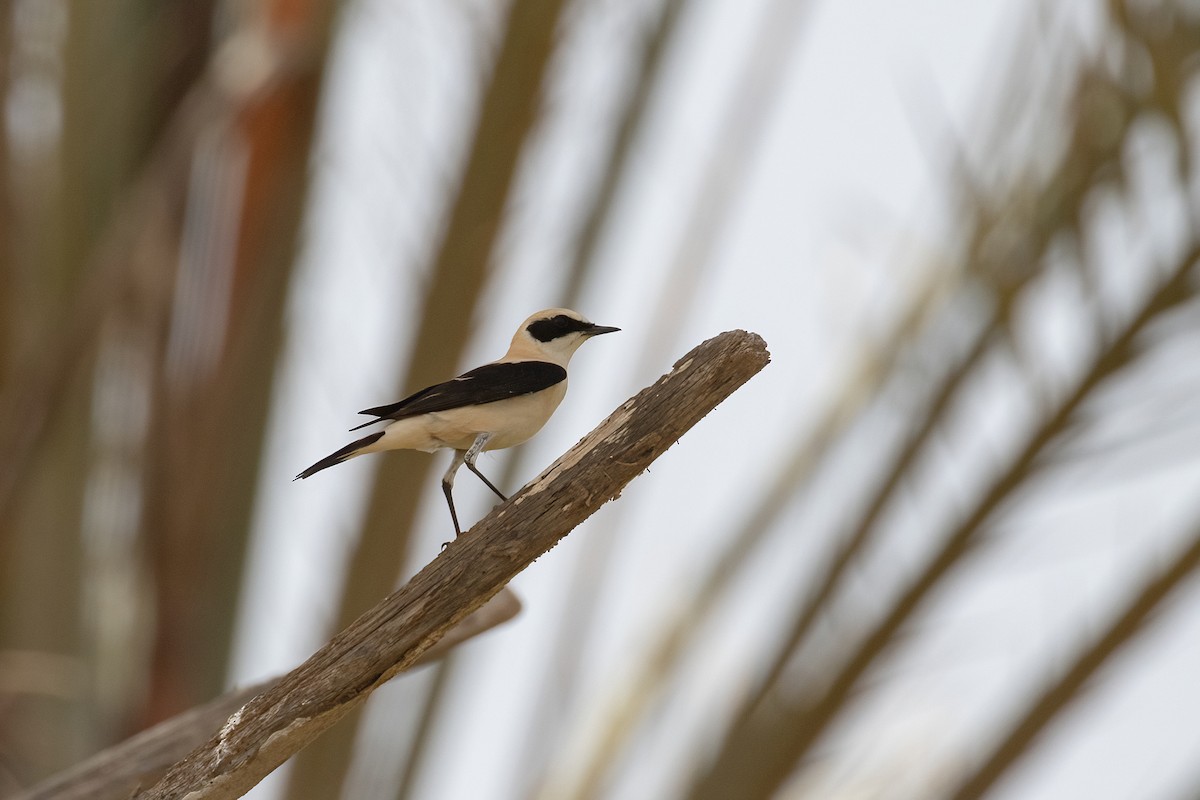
x=498 y=405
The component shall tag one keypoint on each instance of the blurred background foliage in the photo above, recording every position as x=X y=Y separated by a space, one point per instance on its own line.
x=1034 y=381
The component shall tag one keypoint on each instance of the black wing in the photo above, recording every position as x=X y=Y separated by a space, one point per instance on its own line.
x=486 y=384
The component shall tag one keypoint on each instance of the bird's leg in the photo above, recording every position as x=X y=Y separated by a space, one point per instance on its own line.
x=472 y=454
x=448 y=487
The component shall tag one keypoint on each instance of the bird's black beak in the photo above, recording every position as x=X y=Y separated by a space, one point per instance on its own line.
x=596 y=330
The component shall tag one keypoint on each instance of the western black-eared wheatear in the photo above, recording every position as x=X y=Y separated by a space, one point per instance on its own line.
x=495 y=406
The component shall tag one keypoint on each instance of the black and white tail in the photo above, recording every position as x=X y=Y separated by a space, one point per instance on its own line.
x=341 y=455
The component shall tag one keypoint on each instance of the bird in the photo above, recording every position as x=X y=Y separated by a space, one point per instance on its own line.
x=499 y=405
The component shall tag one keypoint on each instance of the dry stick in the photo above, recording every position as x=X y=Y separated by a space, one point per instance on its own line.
x=143 y=759
x=382 y=642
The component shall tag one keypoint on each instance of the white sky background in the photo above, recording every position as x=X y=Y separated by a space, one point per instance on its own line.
x=843 y=205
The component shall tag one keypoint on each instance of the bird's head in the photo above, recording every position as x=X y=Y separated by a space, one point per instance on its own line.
x=554 y=335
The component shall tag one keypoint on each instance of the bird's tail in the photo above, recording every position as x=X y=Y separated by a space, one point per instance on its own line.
x=338 y=457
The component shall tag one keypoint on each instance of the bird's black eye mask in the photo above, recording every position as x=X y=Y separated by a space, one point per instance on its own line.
x=545 y=330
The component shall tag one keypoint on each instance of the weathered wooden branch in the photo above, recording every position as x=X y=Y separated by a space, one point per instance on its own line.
x=141 y=760
x=276 y=723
